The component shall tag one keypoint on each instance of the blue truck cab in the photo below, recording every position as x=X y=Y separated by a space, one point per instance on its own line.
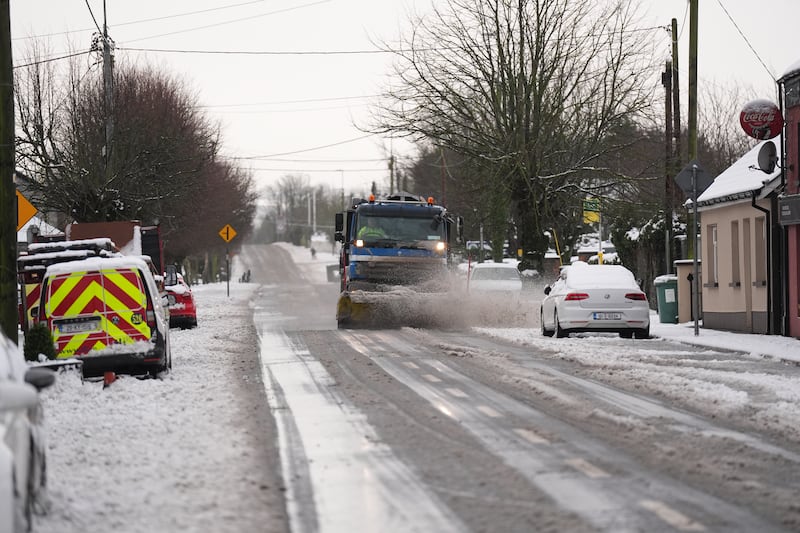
x=402 y=240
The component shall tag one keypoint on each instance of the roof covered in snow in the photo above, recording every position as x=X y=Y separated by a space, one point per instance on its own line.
x=743 y=178
x=44 y=229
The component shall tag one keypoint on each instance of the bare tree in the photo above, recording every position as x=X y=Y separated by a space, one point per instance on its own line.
x=722 y=140
x=528 y=90
x=161 y=141
x=161 y=167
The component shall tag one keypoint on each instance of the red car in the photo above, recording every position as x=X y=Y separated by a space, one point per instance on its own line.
x=182 y=308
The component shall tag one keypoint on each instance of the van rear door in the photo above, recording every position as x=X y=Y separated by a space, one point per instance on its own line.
x=94 y=310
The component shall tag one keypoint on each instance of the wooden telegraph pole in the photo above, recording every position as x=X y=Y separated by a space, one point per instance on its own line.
x=8 y=195
x=666 y=80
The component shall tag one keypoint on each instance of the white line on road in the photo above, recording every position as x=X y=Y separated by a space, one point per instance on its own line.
x=672 y=517
x=488 y=411
x=582 y=465
x=358 y=484
x=458 y=393
x=431 y=378
x=531 y=436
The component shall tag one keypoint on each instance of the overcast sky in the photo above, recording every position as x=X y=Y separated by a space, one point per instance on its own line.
x=286 y=106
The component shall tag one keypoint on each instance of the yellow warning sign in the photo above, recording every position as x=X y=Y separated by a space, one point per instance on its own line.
x=227 y=233
x=25 y=210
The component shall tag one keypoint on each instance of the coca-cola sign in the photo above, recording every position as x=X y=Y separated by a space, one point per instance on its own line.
x=761 y=119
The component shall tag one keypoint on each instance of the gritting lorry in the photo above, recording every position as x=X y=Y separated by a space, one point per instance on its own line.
x=394 y=260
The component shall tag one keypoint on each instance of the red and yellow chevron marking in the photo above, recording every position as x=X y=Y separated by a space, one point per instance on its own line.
x=116 y=296
x=32 y=293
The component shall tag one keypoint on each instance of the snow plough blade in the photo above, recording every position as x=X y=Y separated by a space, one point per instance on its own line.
x=390 y=309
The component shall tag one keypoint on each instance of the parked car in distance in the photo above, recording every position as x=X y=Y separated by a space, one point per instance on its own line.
x=595 y=298
x=182 y=307
x=108 y=313
x=23 y=483
x=495 y=277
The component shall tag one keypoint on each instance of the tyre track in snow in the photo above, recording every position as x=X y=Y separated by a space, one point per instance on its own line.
x=582 y=474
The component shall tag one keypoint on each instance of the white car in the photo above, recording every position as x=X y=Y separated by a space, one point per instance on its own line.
x=22 y=446
x=495 y=277
x=595 y=298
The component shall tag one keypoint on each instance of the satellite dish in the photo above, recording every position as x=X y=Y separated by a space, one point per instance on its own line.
x=767 y=157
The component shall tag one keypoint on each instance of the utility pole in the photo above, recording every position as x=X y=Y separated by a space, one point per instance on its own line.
x=676 y=97
x=693 y=21
x=444 y=173
x=108 y=91
x=8 y=194
x=666 y=80
x=695 y=253
x=391 y=174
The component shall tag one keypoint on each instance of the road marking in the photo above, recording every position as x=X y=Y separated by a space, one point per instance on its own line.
x=431 y=378
x=458 y=393
x=411 y=365
x=672 y=517
x=531 y=436
x=587 y=468
x=331 y=489
x=488 y=411
x=444 y=410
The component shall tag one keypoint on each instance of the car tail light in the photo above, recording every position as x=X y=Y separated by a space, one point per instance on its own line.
x=576 y=296
x=636 y=296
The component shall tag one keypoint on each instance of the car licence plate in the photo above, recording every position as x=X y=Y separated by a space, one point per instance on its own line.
x=607 y=316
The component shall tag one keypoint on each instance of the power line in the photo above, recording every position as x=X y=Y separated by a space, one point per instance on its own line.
x=280 y=160
x=326 y=170
x=284 y=102
x=257 y=52
x=154 y=19
x=96 y=25
x=233 y=21
x=42 y=61
x=299 y=110
x=305 y=149
x=746 y=40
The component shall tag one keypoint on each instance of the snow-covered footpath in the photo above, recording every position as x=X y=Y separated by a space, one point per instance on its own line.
x=186 y=453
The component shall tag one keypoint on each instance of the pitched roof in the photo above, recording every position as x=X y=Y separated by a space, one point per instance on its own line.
x=742 y=179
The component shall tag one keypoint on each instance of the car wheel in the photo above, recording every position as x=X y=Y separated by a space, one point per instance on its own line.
x=545 y=332
x=643 y=333
x=626 y=334
x=560 y=332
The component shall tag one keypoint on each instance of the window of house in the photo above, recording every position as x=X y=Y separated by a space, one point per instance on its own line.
x=736 y=280
x=761 y=258
x=710 y=264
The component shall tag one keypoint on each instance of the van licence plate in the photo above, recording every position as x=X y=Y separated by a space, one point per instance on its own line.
x=78 y=327
x=607 y=316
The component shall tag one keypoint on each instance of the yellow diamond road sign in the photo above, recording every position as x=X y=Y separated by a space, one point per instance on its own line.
x=25 y=210
x=227 y=233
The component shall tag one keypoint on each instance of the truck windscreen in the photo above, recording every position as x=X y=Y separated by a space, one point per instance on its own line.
x=400 y=228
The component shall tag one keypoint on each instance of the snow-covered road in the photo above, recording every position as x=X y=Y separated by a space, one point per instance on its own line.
x=199 y=450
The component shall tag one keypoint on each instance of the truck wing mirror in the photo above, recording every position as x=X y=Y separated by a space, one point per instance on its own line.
x=339 y=222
